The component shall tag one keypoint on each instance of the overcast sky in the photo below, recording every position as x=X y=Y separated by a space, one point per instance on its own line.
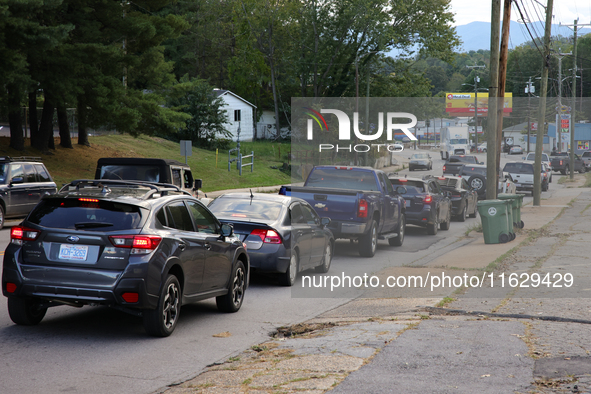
x=565 y=11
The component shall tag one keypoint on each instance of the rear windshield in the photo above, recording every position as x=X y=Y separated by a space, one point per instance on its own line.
x=462 y=159
x=447 y=182
x=412 y=187
x=73 y=213
x=586 y=154
x=519 y=168
x=131 y=173
x=230 y=208
x=348 y=179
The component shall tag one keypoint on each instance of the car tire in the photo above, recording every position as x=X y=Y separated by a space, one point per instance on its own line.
x=478 y=183
x=462 y=217
x=432 y=228
x=545 y=187
x=1 y=217
x=410 y=168
x=369 y=242
x=581 y=171
x=25 y=311
x=445 y=224
x=161 y=322
x=232 y=301
x=326 y=259
x=566 y=171
x=397 y=241
x=289 y=277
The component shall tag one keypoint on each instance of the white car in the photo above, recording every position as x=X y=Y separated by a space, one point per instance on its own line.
x=516 y=150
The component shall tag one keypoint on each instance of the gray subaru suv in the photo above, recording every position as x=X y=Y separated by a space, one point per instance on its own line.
x=142 y=248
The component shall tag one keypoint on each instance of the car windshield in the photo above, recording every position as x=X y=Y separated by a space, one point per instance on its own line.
x=79 y=213
x=3 y=169
x=419 y=156
x=457 y=141
x=345 y=178
x=412 y=187
x=131 y=172
x=519 y=168
x=233 y=208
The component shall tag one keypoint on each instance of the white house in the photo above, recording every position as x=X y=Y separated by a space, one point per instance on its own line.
x=240 y=115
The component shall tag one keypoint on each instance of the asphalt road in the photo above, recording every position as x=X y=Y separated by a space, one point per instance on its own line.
x=99 y=350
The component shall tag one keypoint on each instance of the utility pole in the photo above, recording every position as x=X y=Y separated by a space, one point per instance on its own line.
x=529 y=90
x=503 y=55
x=574 y=89
x=542 y=108
x=559 y=109
x=491 y=154
x=476 y=80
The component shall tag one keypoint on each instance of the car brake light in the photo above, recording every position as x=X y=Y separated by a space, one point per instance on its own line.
x=267 y=236
x=443 y=168
x=343 y=168
x=139 y=244
x=362 y=209
x=428 y=198
x=10 y=287
x=18 y=234
x=456 y=195
x=560 y=162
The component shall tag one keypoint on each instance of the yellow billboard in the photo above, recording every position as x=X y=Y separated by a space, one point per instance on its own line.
x=463 y=104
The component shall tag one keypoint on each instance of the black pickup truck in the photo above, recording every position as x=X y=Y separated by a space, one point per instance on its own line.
x=454 y=164
x=560 y=162
x=361 y=203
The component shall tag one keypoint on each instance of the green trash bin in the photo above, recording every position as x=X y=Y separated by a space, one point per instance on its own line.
x=495 y=221
x=516 y=203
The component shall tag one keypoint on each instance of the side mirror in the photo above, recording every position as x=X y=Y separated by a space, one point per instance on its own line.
x=324 y=222
x=198 y=184
x=401 y=190
x=227 y=230
x=17 y=179
x=481 y=162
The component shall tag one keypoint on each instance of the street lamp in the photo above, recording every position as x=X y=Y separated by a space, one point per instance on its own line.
x=357 y=77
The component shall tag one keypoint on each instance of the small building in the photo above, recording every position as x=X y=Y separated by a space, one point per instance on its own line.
x=240 y=115
x=582 y=137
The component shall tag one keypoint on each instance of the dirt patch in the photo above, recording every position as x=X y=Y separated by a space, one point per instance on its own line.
x=301 y=329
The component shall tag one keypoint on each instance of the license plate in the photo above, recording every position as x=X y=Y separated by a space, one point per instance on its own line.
x=73 y=252
x=518 y=184
x=407 y=203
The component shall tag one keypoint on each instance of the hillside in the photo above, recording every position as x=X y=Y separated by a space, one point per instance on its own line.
x=65 y=165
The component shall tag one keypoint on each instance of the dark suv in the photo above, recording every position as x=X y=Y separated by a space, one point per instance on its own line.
x=138 y=247
x=427 y=205
x=23 y=181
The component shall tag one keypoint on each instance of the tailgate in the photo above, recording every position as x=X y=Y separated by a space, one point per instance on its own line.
x=338 y=205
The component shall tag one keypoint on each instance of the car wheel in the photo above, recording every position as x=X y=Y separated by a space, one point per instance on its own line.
x=1 y=217
x=432 y=228
x=162 y=321
x=290 y=275
x=566 y=171
x=445 y=225
x=410 y=168
x=464 y=214
x=25 y=311
x=232 y=301
x=326 y=260
x=478 y=183
x=545 y=187
x=582 y=170
x=401 y=231
x=369 y=242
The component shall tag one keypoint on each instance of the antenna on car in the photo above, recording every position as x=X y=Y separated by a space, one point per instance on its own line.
x=251 y=196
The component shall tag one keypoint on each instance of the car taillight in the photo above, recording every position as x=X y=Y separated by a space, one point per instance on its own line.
x=428 y=199
x=267 y=236
x=443 y=168
x=362 y=209
x=560 y=162
x=18 y=234
x=10 y=287
x=456 y=195
x=139 y=244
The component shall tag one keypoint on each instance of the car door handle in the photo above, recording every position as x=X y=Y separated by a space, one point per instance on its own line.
x=207 y=246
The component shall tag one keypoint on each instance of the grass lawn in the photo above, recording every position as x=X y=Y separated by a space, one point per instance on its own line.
x=65 y=165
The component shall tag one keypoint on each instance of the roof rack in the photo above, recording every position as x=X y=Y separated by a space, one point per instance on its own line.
x=163 y=189
x=21 y=158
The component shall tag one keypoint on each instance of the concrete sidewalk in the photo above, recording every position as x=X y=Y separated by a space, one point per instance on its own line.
x=500 y=339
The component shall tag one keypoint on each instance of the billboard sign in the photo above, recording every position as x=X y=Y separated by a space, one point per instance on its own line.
x=462 y=104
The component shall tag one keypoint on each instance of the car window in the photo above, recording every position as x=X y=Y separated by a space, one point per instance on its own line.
x=389 y=187
x=176 y=177
x=3 y=171
x=433 y=187
x=42 y=174
x=296 y=215
x=180 y=218
x=17 y=170
x=88 y=215
x=188 y=179
x=465 y=184
x=236 y=208
x=204 y=221
x=586 y=154
x=29 y=173
x=346 y=179
x=412 y=187
x=161 y=217
x=519 y=168
x=448 y=182
x=309 y=215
